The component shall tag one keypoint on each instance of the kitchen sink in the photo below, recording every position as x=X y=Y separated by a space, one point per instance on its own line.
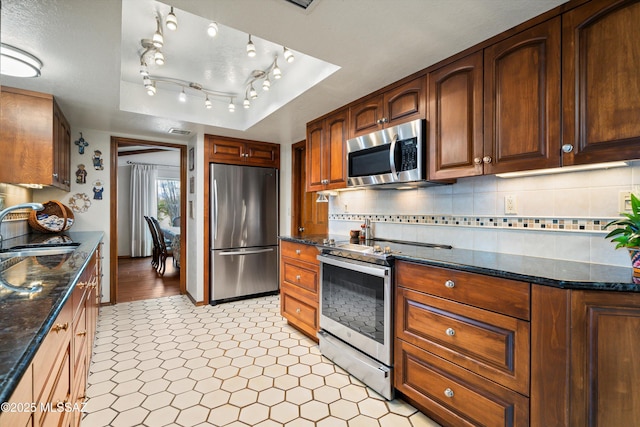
x=41 y=250
x=354 y=247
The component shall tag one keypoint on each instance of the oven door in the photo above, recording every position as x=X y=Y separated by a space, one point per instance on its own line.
x=355 y=305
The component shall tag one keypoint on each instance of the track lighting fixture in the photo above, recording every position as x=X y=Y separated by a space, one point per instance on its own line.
x=183 y=96
x=246 y=103
x=212 y=29
x=158 y=58
x=288 y=55
x=207 y=103
x=251 y=48
x=158 y=38
x=232 y=106
x=277 y=73
x=171 y=21
x=144 y=70
x=252 y=92
x=151 y=89
x=266 y=85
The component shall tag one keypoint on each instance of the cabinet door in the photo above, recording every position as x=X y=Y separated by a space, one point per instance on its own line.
x=605 y=349
x=336 y=136
x=223 y=150
x=366 y=116
x=61 y=150
x=316 y=159
x=522 y=101
x=455 y=119
x=405 y=103
x=600 y=82
x=263 y=154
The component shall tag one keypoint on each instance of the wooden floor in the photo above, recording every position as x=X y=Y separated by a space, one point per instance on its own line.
x=138 y=280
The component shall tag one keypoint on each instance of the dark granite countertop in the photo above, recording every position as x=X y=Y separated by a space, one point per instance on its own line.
x=542 y=271
x=26 y=318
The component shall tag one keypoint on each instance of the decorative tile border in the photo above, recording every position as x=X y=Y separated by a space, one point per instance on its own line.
x=591 y=225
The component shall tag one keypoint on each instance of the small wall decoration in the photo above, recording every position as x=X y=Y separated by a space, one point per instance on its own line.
x=192 y=156
x=98 y=189
x=81 y=174
x=97 y=160
x=81 y=143
x=192 y=185
x=79 y=202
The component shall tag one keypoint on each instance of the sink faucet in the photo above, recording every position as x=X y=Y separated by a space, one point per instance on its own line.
x=368 y=233
x=4 y=212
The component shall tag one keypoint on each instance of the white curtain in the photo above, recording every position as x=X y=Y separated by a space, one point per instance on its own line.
x=144 y=201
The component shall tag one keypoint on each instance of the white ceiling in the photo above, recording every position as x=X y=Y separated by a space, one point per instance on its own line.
x=374 y=42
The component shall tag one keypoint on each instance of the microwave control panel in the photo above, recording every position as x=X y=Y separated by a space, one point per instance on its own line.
x=408 y=155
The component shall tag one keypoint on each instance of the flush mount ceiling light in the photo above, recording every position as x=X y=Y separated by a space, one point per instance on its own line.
x=18 y=63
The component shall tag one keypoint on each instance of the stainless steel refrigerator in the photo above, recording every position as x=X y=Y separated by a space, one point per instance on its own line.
x=244 y=232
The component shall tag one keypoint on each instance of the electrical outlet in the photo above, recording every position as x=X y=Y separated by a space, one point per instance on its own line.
x=510 y=205
x=624 y=201
x=346 y=208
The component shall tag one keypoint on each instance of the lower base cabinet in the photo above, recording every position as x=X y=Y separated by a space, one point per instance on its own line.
x=55 y=381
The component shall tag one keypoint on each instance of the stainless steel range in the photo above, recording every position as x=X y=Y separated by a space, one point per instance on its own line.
x=356 y=303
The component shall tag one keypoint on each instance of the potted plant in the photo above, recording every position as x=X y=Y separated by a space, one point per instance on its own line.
x=627 y=233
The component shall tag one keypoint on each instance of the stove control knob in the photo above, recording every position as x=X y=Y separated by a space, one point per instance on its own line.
x=377 y=248
x=387 y=250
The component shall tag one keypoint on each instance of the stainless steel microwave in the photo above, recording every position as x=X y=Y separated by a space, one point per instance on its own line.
x=390 y=156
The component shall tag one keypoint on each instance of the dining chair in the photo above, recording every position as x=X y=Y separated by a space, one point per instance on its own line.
x=164 y=251
x=156 y=246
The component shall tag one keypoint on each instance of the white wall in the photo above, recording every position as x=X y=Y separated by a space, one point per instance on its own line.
x=195 y=222
x=466 y=212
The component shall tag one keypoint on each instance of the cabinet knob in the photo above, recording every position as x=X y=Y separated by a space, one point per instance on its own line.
x=301 y=229
x=487 y=159
x=82 y=285
x=383 y=120
x=81 y=334
x=448 y=392
x=55 y=176
x=60 y=327
x=450 y=331
x=567 y=148
x=298 y=251
x=477 y=160
x=298 y=278
x=450 y=284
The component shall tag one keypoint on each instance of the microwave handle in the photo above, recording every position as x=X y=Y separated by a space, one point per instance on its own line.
x=392 y=157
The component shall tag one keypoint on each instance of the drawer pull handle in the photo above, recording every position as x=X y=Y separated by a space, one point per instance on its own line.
x=60 y=327
x=298 y=251
x=298 y=310
x=448 y=392
x=298 y=277
x=81 y=334
x=450 y=331
x=450 y=284
x=82 y=285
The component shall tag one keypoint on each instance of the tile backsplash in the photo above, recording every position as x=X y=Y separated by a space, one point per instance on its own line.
x=558 y=216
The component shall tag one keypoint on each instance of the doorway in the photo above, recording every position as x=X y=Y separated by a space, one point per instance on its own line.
x=139 y=270
x=308 y=216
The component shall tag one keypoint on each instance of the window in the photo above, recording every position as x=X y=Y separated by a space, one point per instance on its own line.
x=168 y=201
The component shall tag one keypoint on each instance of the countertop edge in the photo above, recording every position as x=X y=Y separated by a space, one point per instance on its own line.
x=15 y=375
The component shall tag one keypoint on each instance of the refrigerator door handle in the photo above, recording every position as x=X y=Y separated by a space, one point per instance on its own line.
x=246 y=252
x=215 y=209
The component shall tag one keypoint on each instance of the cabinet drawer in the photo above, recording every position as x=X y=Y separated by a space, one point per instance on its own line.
x=487 y=343
x=60 y=394
x=454 y=396
x=80 y=339
x=22 y=395
x=299 y=251
x=298 y=311
x=504 y=296
x=50 y=353
x=302 y=275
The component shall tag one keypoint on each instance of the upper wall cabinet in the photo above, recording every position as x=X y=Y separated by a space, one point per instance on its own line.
x=601 y=82
x=398 y=105
x=235 y=151
x=326 y=137
x=455 y=119
x=35 y=135
x=522 y=101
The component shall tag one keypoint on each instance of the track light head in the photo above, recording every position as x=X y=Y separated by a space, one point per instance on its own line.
x=183 y=96
x=207 y=103
x=172 y=21
x=158 y=38
x=212 y=29
x=246 y=103
x=266 y=85
x=288 y=55
x=158 y=58
x=232 y=106
x=251 y=48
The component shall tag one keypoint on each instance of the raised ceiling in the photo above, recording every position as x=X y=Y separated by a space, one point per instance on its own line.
x=374 y=42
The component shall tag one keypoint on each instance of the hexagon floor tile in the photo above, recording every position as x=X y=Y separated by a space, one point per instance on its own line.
x=165 y=362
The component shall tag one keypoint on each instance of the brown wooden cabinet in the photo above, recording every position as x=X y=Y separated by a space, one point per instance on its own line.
x=35 y=135
x=462 y=350
x=59 y=370
x=584 y=355
x=299 y=286
x=400 y=104
x=243 y=152
x=600 y=83
x=326 y=153
x=456 y=119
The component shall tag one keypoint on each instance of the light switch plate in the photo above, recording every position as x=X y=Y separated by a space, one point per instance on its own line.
x=624 y=201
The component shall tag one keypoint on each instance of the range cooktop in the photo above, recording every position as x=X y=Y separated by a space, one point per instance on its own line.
x=379 y=251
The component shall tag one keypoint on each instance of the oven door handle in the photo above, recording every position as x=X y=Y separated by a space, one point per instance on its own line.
x=371 y=269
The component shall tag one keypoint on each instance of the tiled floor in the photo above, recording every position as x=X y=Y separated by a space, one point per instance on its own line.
x=165 y=362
